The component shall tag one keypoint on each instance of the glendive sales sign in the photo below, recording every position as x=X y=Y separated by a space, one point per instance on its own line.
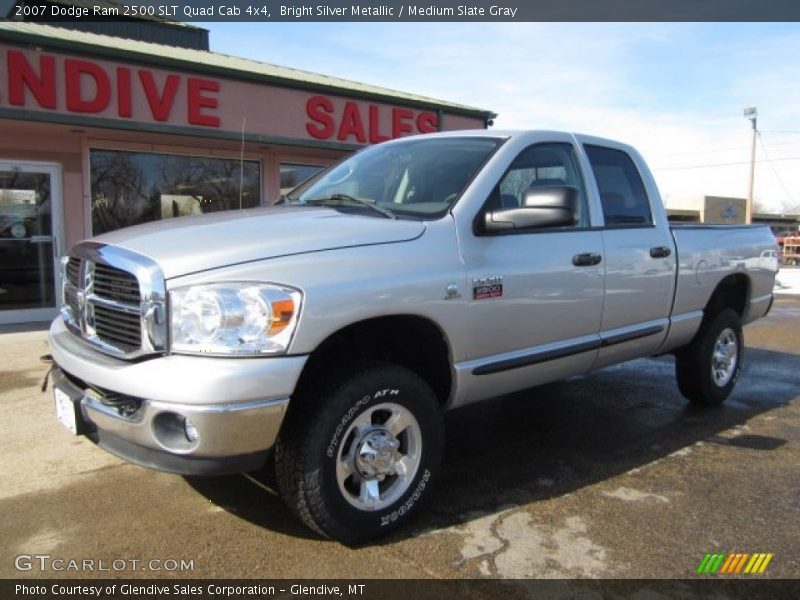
x=56 y=84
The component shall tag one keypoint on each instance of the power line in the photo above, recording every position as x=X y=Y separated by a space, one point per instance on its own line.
x=729 y=148
x=774 y=170
x=729 y=164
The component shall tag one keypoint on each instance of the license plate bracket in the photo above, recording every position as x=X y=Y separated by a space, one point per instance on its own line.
x=68 y=411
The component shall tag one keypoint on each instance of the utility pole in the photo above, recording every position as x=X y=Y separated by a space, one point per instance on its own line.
x=751 y=112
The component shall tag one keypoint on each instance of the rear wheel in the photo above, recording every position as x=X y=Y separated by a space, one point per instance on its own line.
x=358 y=452
x=707 y=369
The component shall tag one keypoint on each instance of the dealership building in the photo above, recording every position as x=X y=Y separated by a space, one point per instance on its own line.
x=99 y=132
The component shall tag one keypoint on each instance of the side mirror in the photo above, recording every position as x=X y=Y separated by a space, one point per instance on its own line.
x=545 y=206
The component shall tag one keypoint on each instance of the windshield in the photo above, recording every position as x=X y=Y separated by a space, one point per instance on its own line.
x=417 y=179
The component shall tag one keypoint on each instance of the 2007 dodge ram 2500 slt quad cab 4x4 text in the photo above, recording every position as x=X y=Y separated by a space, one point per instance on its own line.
x=330 y=332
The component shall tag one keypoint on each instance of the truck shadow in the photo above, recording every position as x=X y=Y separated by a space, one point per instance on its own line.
x=552 y=440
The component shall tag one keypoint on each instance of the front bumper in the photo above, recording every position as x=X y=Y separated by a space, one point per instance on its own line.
x=135 y=409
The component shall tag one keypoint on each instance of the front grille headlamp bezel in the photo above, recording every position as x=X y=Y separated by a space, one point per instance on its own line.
x=108 y=318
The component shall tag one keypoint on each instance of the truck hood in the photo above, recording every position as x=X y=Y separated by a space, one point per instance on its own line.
x=199 y=243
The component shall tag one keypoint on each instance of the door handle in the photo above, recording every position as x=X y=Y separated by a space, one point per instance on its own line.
x=660 y=252
x=587 y=259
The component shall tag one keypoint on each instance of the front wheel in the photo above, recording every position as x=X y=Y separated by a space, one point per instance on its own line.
x=359 y=452
x=707 y=369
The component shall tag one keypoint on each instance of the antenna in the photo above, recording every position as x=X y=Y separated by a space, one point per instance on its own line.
x=241 y=164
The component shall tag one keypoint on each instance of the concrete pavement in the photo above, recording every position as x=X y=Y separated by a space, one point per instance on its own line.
x=608 y=475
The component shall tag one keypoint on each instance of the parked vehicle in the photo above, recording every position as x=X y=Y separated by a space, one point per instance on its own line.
x=416 y=276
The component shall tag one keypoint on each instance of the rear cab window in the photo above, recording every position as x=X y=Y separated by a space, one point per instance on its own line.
x=622 y=192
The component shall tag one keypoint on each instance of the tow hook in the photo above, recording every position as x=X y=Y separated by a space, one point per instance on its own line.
x=48 y=360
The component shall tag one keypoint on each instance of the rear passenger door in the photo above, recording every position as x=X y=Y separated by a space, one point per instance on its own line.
x=639 y=255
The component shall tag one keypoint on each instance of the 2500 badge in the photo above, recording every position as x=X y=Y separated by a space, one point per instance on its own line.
x=487 y=287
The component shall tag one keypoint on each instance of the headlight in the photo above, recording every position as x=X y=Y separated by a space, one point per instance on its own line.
x=233 y=318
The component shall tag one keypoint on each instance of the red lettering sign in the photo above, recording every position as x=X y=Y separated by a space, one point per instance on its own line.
x=124 y=92
x=160 y=102
x=198 y=101
x=375 y=136
x=319 y=109
x=400 y=125
x=76 y=72
x=37 y=80
x=324 y=122
x=427 y=122
x=21 y=76
x=89 y=88
x=351 y=123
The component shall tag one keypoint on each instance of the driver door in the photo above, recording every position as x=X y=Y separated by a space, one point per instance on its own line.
x=536 y=297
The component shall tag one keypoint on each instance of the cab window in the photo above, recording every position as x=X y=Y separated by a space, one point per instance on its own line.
x=622 y=192
x=537 y=166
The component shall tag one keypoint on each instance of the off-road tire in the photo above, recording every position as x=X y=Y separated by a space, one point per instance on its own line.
x=694 y=363
x=311 y=440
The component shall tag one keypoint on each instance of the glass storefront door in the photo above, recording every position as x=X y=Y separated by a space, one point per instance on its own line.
x=29 y=221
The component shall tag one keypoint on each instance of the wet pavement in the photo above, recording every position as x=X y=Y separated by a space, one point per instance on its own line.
x=608 y=475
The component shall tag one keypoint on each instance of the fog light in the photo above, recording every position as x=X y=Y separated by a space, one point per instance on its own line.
x=175 y=432
x=190 y=430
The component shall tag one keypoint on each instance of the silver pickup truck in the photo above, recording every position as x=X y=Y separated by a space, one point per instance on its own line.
x=329 y=333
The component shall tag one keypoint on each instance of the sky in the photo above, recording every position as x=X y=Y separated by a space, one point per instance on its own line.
x=675 y=91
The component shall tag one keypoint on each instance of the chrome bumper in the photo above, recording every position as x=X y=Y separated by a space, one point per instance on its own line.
x=136 y=409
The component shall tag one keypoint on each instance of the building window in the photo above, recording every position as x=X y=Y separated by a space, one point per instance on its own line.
x=129 y=188
x=293 y=174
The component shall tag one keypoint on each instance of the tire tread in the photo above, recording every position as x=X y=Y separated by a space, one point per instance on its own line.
x=691 y=368
x=299 y=483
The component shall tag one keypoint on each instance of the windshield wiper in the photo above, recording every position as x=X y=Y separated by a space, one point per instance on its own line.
x=334 y=199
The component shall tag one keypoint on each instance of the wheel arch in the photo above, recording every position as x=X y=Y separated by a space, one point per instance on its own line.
x=733 y=291
x=411 y=341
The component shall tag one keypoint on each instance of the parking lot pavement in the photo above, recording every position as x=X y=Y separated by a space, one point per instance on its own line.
x=608 y=475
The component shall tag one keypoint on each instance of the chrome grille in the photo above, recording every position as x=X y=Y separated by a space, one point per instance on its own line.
x=73 y=271
x=72 y=281
x=116 y=284
x=117 y=327
x=71 y=300
x=115 y=300
x=114 y=312
x=70 y=286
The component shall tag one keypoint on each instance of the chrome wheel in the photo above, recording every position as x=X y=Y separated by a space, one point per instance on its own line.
x=725 y=357
x=379 y=456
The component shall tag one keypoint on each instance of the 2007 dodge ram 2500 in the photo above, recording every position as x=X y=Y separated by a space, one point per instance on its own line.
x=329 y=332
